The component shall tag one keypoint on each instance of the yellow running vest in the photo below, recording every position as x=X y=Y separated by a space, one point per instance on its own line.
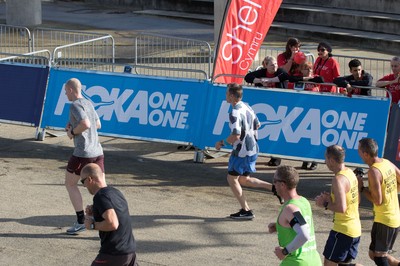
x=388 y=212
x=348 y=223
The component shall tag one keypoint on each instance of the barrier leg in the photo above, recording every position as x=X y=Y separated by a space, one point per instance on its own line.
x=40 y=134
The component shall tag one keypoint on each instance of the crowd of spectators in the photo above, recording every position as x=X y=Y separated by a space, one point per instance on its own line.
x=323 y=75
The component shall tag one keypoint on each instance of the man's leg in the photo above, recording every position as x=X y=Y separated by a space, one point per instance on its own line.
x=71 y=183
x=382 y=239
x=237 y=191
x=393 y=261
x=383 y=259
x=249 y=181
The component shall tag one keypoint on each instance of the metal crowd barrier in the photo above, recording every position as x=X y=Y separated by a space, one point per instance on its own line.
x=71 y=49
x=75 y=49
x=42 y=57
x=15 y=39
x=172 y=53
x=88 y=54
x=151 y=54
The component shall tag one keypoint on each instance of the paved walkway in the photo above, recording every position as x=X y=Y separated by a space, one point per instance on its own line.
x=178 y=207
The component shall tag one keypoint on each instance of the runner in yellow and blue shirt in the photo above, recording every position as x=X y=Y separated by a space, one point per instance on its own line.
x=383 y=183
x=342 y=244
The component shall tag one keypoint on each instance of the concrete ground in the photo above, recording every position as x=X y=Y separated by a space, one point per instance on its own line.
x=178 y=207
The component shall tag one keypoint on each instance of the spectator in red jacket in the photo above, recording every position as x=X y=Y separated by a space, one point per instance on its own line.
x=285 y=59
x=392 y=81
x=326 y=66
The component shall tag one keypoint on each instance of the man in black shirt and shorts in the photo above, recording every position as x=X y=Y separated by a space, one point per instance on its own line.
x=109 y=214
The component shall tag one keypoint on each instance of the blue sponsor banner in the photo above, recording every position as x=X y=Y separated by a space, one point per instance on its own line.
x=298 y=125
x=302 y=124
x=22 y=92
x=133 y=106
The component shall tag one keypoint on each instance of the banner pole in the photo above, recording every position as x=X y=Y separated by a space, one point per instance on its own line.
x=221 y=29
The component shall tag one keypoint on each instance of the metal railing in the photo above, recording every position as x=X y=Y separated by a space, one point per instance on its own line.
x=76 y=49
x=15 y=39
x=88 y=54
x=70 y=49
x=156 y=55
x=172 y=53
x=33 y=58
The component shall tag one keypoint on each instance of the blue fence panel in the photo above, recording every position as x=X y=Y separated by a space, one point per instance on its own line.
x=297 y=125
x=133 y=106
x=300 y=124
x=22 y=92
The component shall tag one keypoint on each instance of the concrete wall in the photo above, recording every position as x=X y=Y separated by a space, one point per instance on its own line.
x=24 y=12
x=219 y=10
x=384 y=6
x=195 y=6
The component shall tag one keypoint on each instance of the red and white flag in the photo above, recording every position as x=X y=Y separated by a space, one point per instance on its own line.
x=243 y=30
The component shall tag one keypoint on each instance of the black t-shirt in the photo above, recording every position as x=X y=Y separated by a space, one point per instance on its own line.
x=121 y=241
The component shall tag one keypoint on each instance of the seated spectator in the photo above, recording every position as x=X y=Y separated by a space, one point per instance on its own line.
x=326 y=66
x=392 y=81
x=358 y=77
x=308 y=75
x=271 y=76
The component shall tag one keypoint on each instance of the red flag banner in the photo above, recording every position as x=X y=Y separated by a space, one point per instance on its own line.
x=244 y=28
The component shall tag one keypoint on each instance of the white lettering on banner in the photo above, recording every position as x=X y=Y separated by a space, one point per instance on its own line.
x=245 y=64
x=156 y=109
x=247 y=16
x=329 y=127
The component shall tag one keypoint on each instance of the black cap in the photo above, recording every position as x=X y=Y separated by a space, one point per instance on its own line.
x=325 y=45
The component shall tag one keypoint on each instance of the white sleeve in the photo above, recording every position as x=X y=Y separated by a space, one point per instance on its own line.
x=303 y=235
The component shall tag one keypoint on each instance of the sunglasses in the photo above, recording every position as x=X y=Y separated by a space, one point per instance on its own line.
x=321 y=49
x=83 y=180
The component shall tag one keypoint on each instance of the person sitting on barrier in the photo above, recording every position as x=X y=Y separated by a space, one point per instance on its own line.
x=271 y=76
x=392 y=81
x=286 y=59
x=326 y=66
x=307 y=74
x=358 y=77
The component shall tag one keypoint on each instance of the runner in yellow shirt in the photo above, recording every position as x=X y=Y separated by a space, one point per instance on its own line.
x=342 y=244
x=383 y=181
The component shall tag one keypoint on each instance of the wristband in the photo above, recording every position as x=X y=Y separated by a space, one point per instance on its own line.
x=92 y=226
x=285 y=251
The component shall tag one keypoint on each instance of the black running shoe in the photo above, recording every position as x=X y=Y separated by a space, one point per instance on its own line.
x=242 y=215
